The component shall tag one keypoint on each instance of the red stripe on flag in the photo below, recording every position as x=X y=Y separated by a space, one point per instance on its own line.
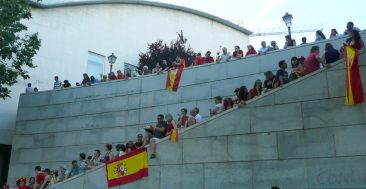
x=129 y=178
x=354 y=90
x=128 y=155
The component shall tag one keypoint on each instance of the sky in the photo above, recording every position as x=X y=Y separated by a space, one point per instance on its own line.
x=264 y=15
x=258 y=15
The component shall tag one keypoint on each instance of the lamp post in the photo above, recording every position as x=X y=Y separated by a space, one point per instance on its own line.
x=287 y=18
x=111 y=59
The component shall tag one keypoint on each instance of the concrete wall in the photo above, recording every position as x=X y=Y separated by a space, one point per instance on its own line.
x=53 y=127
x=308 y=140
x=68 y=33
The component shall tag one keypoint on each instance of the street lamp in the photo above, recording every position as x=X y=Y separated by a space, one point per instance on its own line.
x=111 y=59
x=287 y=18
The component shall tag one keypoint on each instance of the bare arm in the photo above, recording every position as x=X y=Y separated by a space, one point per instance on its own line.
x=45 y=181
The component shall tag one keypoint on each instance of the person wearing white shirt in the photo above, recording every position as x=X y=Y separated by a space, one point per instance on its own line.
x=196 y=115
x=29 y=88
x=218 y=108
x=224 y=57
x=264 y=48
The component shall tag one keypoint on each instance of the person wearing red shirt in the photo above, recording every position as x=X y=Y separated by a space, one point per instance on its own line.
x=238 y=53
x=208 y=58
x=112 y=76
x=120 y=75
x=251 y=51
x=313 y=61
x=256 y=90
x=183 y=118
x=21 y=183
x=40 y=176
x=198 y=60
x=171 y=123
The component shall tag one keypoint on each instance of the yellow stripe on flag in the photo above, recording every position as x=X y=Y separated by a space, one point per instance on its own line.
x=350 y=53
x=127 y=166
x=172 y=76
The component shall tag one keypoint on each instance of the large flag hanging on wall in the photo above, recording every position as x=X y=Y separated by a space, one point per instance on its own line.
x=354 y=92
x=127 y=168
x=173 y=76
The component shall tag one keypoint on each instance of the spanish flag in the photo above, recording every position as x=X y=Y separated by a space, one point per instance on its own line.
x=173 y=76
x=174 y=135
x=354 y=92
x=127 y=168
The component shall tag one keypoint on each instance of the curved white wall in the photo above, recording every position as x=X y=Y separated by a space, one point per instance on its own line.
x=68 y=33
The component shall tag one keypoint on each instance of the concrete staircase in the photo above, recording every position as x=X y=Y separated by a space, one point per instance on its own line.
x=298 y=136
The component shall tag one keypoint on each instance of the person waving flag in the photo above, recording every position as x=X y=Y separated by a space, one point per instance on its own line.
x=174 y=75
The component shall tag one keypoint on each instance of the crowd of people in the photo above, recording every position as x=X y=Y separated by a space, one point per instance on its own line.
x=300 y=66
x=221 y=57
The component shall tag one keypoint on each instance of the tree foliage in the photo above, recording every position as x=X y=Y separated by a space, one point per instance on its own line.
x=17 y=48
x=159 y=51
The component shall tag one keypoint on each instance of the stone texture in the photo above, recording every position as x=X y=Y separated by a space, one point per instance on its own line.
x=311 y=88
x=336 y=82
x=252 y=147
x=276 y=118
x=227 y=124
x=330 y=112
x=228 y=175
x=168 y=153
x=285 y=174
x=306 y=144
x=345 y=172
x=96 y=179
x=208 y=149
x=196 y=92
x=190 y=176
x=348 y=140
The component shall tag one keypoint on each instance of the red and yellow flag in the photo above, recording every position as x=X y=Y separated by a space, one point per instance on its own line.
x=173 y=76
x=127 y=168
x=174 y=135
x=354 y=92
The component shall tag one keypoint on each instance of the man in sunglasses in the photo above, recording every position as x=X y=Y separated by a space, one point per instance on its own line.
x=159 y=133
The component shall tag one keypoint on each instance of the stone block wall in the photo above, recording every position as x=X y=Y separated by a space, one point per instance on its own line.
x=309 y=140
x=53 y=127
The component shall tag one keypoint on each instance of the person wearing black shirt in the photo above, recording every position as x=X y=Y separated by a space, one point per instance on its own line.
x=159 y=133
x=282 y=74
x=271 y=82
x=331 y=55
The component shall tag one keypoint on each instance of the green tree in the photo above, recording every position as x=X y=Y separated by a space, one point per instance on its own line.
x=17 y=48
x=159 y=51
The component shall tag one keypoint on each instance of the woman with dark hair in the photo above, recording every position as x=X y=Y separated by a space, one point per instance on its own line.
x=183 y=118
x=333 y=34
x=228 y=103
x=251 y=50
x=243 y=95
x=331 y=55
x=108 y=153
x=66 y=84
x=296 y=68
x=112 y=76
x=86 y=81
x=256 y=90
x=32 y=180
x=319 y=36
x=289 y=42
x=355 y=40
